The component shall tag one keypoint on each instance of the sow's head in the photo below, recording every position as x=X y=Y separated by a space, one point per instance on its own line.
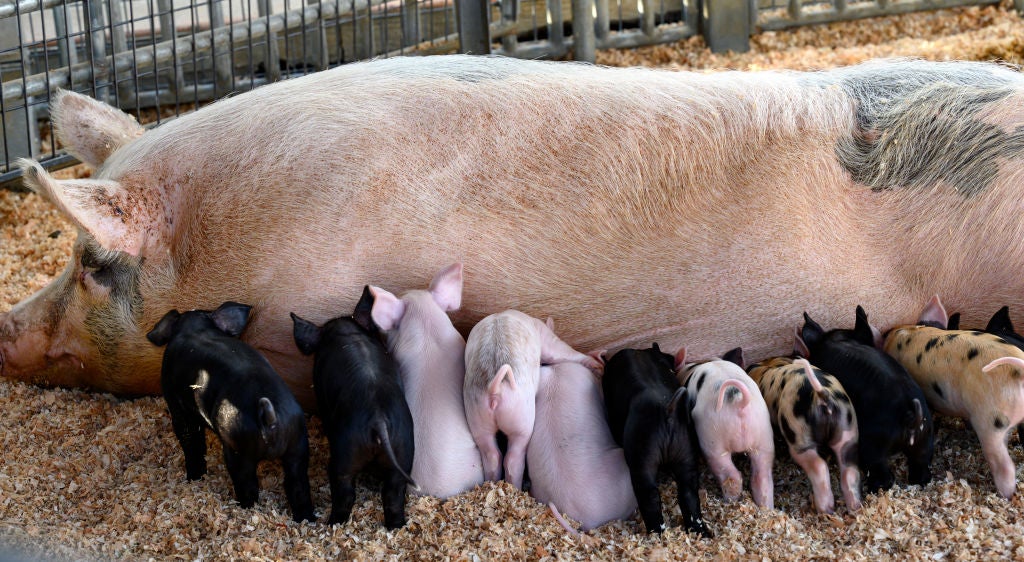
x=81 y=329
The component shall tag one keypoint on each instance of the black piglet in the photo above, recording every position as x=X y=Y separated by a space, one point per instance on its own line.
x=360 y=399
x=892 y=412
x=650 y=420
x=211 y=379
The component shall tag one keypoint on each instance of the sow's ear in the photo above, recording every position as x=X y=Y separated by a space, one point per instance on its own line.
x=103 y=208
x=231 y=318
x=164 y=329
x=91 y=130
x=306 y=333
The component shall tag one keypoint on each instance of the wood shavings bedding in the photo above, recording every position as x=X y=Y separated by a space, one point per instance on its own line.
x=94 y=477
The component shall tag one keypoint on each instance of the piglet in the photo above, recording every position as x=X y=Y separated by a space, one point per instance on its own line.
x=359 y=397
x=730 y=416
x=430 y=354
x=972 y=375
x=504 y=353
x=892 y=413
x=815 y=416
x=649 y=418
x=211 y=379
x=574 y=462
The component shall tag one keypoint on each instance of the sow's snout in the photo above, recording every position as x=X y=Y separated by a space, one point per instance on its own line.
x=34 y=343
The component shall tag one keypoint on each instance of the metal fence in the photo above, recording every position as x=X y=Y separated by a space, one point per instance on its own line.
x=159 y=58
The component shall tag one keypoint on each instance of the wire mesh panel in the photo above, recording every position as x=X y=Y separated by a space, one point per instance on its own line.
x=779 y=14
x=544 y=28
x=159 y=58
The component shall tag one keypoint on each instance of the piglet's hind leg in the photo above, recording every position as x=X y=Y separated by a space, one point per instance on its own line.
x=242 y=468
x=817 y=471
x=393 y=490
x=341 y=472
x=993 y=444
x=728 y=476
x=295 y=465
x=686 y=476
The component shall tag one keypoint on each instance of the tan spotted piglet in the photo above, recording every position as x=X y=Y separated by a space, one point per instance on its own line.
x=813 y=413
x=967 y=374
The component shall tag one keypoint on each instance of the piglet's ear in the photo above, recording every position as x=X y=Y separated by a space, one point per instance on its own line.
x=387 y=309
x=954 y=321
x=934 y=314
x=1000 y=321
x=799 y=346
x=735 y=356
x=811 y=333
x=306 y=333
x=679 y=359
x=161 y=334
x=114 y=217
x=363 y=313
x=862 y=330
x=446 y=288
x=231 y=318
x=91 y=130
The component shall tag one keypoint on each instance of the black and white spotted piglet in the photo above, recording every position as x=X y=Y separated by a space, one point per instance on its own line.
x=360 y=399
x=650 y=420
x=814 y=414
x=211 y=379
x=892 y=412
x=967 y=374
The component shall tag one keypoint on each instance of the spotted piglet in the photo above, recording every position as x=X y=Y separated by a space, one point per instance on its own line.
x=504 y=353
x=892 y=413
x=359 y=397
x=813 y=413
x=574 y=462
x=649 y=418
x=430 y=354
x=972 y=375
x=731 y=416
x=211 y=379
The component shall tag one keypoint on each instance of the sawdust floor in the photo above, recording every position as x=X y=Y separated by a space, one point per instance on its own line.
x=92 y=476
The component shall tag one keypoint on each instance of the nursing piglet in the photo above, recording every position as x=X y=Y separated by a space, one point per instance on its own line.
x=649 y=417
x=430 y=353
x=211 y=379
x=574 y=462
x=892 y=413
x=815 y=416
x=730 y=416
x=359 y=397
x=972 y=375
x=504 y=353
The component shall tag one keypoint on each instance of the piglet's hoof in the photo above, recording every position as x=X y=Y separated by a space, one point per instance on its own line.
x=732 y=489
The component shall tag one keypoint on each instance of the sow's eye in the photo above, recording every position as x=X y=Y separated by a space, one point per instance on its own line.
x=95 y=272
